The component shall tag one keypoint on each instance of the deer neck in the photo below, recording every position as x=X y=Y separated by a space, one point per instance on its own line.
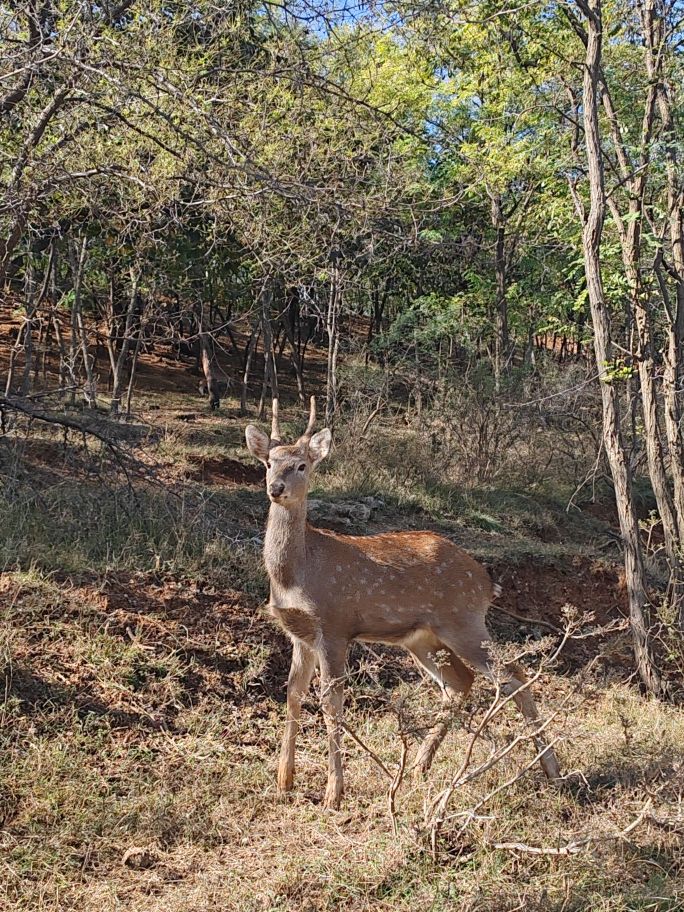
x=285 y=545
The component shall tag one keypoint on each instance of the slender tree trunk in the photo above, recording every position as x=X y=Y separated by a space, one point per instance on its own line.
x=332 y=327
x=501 y=302
x=134 y=364
x=31 y=307
x=78 y=258
x=672 y=378
x=119 y=365
x=16 y=348
x=249 y=357
x=63 y=356
x=591 y=243
x=653 y=17
x=639 y=313
x=289 y=321
x=44 y=329
x=270 y=371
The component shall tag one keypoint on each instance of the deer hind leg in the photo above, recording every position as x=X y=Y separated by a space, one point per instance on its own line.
x=470 y=646
x=331 y=661
x=453 y=679
x=299 y=679
x=525 y=703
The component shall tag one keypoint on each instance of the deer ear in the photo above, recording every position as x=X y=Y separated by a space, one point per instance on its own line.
x=257 y=442
x=319 y=445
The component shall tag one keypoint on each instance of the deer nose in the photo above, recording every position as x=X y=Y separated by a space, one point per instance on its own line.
x=276 y=489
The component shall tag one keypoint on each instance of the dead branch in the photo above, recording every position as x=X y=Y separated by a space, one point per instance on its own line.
x=124 y=460
x=572 y=848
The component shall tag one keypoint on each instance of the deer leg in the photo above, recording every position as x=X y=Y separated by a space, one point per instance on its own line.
x=301 y=670
x=525 y=703
x=453 y=679
x=471 y=647
x=331 y=660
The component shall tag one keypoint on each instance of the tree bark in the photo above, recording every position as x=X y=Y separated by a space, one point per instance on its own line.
x=501 y=302
x=78 y=258
x=612 y=437
x=634 y=176
x=653 y=17
x=290 y=318
x=119 y=364
x=249 y=357
x=270 y=371
x=332 y=328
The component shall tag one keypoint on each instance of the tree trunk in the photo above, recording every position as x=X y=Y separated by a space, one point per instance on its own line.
x=134 y=364
x=249 y=357
x=591 y=244
x=119 y=364
x=78 y=258
x=332 y=328
x=31 y=308
x=270 y=371
x=290 y=319
x=634 y=177
x=653 y=16
x=501 y=302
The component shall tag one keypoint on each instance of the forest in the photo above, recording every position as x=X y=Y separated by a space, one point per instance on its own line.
x=459 y=226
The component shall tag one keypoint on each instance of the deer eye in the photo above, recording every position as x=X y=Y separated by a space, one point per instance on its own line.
x=302 y=467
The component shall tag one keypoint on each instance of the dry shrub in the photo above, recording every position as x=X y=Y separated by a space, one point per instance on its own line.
x=536 y=428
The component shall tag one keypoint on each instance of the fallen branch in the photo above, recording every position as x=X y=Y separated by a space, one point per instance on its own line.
x=572 y=848
x=122 y=458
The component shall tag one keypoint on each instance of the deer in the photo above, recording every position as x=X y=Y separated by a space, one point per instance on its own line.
x=417 y=590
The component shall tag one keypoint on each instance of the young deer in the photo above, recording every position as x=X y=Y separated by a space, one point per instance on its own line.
x=411 y=589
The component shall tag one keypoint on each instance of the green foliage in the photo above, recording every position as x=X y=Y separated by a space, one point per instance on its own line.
x=616 y=371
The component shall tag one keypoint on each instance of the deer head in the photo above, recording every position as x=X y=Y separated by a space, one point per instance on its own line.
x=288 y=468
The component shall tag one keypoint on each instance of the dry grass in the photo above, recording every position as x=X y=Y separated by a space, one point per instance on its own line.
x=143 y=704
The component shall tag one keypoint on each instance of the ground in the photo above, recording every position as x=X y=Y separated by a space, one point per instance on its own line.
x=144 y=696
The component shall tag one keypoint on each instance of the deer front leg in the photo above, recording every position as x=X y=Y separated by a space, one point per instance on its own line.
x=301 y=670
x=332 y=697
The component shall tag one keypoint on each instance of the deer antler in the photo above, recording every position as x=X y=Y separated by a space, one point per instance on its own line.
x=275 y=424
x=312 y=421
